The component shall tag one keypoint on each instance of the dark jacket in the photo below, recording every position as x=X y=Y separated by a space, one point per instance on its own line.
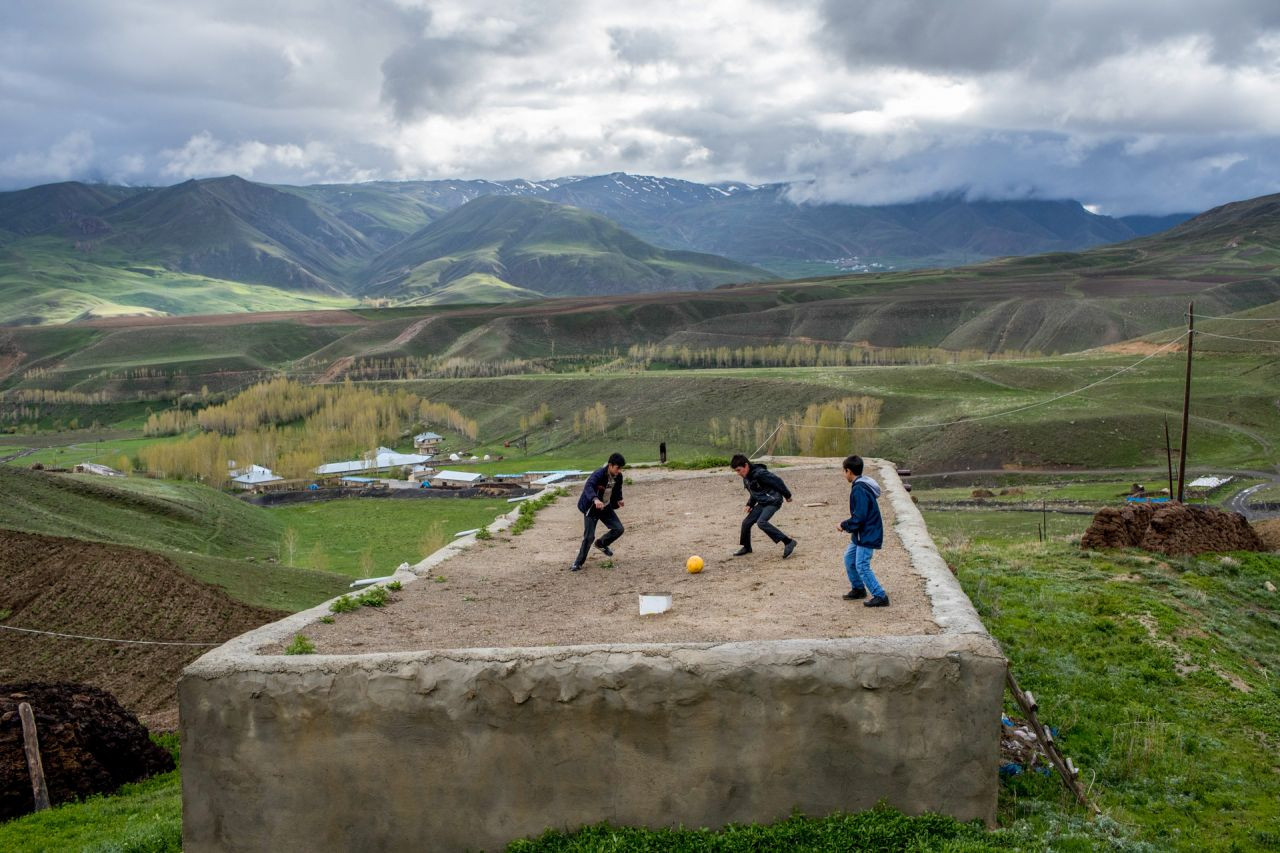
x=594 y=488
x=864 y=524
x=766 y=487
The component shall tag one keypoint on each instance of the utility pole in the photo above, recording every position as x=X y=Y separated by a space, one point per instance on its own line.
x=1186 y=400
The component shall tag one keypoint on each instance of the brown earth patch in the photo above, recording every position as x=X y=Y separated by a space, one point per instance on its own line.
x=517 y=590
x=1269 y=532
x=1170 y=529
x=1137 y=348
x=89 y=744
x=71 y=586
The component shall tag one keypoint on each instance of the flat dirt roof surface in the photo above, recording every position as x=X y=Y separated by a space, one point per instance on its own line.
x=518 y=591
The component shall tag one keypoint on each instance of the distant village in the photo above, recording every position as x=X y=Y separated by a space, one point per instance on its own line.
x=385 y=468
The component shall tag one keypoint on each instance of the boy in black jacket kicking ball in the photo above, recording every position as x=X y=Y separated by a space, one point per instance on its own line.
x=601 y=496
x=767 y=492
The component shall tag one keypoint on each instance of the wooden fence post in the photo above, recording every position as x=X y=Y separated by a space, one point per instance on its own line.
x=31 y=744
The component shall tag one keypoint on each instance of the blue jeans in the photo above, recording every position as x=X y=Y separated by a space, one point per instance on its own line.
x=857 y=565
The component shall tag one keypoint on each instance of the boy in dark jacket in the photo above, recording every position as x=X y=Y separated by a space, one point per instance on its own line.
x=601 y=496
x=767 y=492
x=866 y=531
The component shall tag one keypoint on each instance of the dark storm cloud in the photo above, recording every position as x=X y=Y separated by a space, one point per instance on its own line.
x=1049 y=38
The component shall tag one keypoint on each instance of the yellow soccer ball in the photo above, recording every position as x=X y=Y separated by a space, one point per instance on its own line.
x=694 y=565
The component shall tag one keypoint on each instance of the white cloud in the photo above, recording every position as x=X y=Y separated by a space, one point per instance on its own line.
x=66 y=158
x=1148 y=105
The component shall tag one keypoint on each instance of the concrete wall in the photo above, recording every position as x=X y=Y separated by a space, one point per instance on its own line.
x=470 y=749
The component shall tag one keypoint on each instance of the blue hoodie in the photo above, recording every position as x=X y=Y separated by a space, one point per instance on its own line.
x=864 y=524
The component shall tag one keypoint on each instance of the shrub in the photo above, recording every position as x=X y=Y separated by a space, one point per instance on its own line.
x=343 y=604
x=300 y=646
x=374 y=596
x=529 y=509
x=699 y=463
x=483 y=533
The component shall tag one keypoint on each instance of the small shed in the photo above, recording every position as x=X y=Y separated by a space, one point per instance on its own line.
x=427 y=441
x=457 y=479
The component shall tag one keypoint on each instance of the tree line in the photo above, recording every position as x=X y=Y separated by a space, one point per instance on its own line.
x=805 y=355
x=290 y=428
x=835 y=428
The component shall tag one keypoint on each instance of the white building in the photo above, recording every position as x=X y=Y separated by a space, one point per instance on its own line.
x=256 y=476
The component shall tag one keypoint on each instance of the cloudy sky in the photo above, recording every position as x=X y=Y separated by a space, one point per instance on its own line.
x=1145 y=106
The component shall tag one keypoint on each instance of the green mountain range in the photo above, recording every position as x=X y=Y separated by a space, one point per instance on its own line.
x=1226 y=261
x=72 y=251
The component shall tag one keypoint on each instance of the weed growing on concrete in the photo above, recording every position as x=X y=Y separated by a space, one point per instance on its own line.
x=483 y=534
x=300 y=646
x=343 y=604
x=529 y=509
x=395 y=586
x=374 y=596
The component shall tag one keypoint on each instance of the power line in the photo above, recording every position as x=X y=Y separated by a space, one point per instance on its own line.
x=1234 y=338
x=995 y=414
x=1239 y=319
x=105 y=639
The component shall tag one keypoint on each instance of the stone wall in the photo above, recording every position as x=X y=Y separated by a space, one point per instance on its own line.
x=470 y=749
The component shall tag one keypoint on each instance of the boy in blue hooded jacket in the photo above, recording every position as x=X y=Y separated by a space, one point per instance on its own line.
x=866 y=532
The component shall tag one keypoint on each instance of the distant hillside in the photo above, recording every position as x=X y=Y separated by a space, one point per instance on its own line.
x=72 y=251
x=233 y=229
x=525 y=248
x=56 y=206
x=1226 y=260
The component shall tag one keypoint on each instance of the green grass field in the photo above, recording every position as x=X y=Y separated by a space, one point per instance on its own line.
x=145 y=817
x=88 y=450
x=370 y=537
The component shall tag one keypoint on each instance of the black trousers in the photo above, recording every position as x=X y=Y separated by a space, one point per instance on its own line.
x=759 y=516
x=589 y=519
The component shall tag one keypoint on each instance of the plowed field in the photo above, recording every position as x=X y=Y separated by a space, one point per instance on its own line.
x=71 y=586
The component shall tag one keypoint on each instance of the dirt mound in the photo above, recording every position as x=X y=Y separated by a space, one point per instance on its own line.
x=982 y=493
x=71 y=586
x=1269 y=532
x=1170 y=529
x=88 y=744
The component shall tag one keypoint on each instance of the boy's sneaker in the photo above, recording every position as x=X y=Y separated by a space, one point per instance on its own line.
x=742 y=552
x=575 y=568
x=876 y=601
x=786 y=551
x=604 y=549
x=854 y=594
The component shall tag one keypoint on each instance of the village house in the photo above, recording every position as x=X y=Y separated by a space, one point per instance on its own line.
x=456 y=479
x=257 y=478
x=428 y=442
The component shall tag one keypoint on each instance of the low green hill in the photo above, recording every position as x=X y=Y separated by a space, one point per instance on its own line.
x=538 y=248
x=215 y=537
